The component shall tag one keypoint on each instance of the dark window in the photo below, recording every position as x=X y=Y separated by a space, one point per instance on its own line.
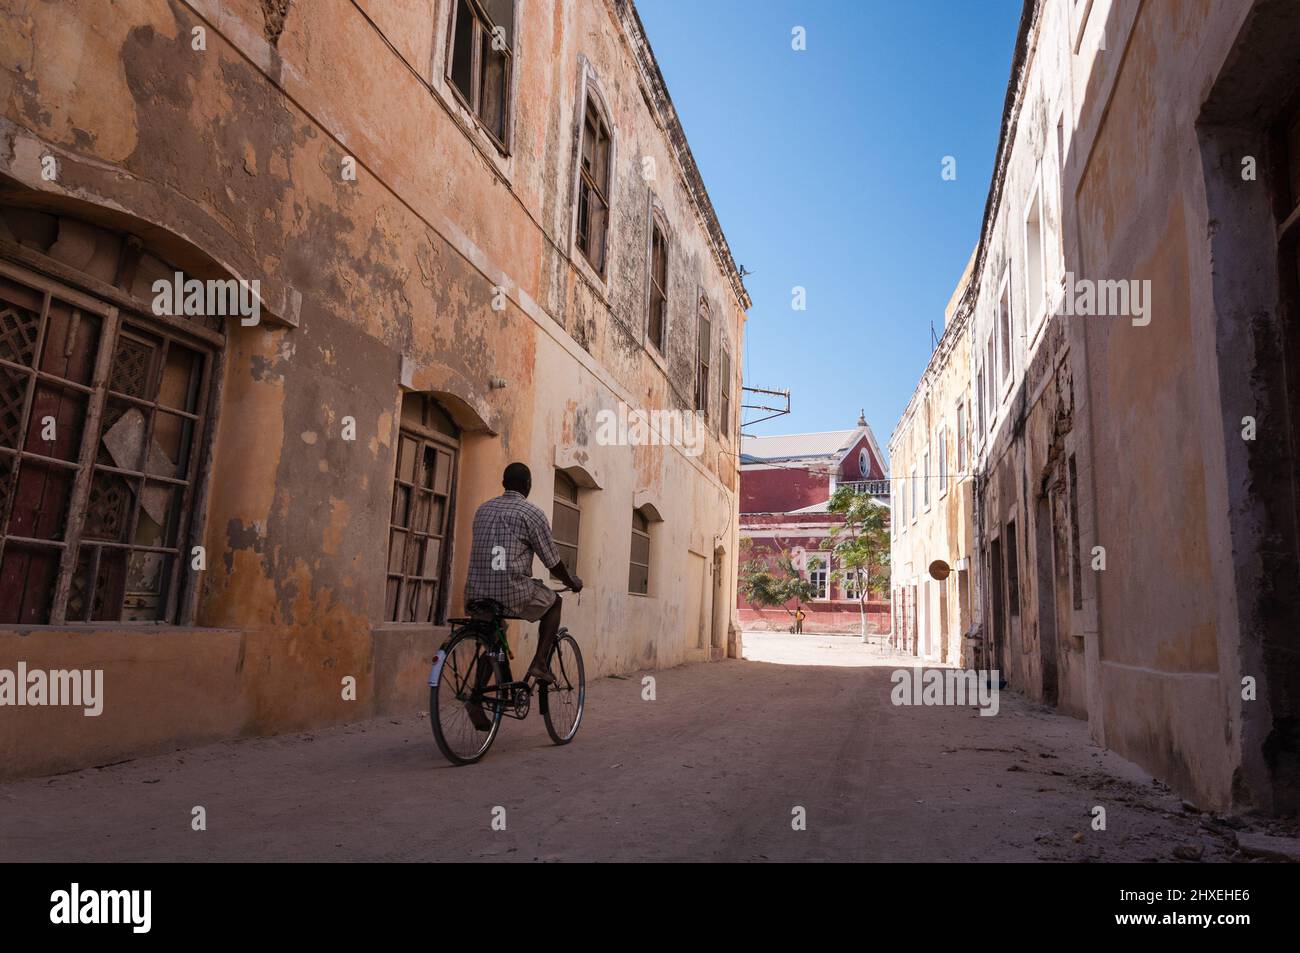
x=996 y=594
x=703 y=342
x=566 y=518
x=424 y=489
x=479 y=65
x=725 y=393
x=593 y=189
x=100 y=421
x=658 y=287
x=638 y=573
x=1076 y=571
x=1013 y=570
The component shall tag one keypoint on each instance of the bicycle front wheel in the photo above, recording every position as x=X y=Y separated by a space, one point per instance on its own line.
x=562 y=704
x=465 y=705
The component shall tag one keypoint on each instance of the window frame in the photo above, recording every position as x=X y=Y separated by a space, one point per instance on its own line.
x=649 y=543
x=1036 y=307
x=925 y=479
x=1006 y=334
x=593 y=108
x=913 y=480
x=473 y=103
x=724 y=393
x=703 y=357
x=660 y=231
x=990 y=375
x=1012 y=563
x=852 y=579
x=424 y=435
x=961 y=439
x=115 y=321
x=824 y=592
x=943 y=460
x=563 y=546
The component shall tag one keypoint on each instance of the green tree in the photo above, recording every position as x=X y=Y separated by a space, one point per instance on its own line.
x=769 y=579
x=860 y=545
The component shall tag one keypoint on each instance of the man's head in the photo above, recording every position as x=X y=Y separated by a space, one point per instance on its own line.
x=518 y=478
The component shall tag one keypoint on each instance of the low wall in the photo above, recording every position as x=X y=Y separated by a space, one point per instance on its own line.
x=165 y=688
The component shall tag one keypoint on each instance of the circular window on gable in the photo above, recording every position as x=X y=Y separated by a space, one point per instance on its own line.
x=863 y=462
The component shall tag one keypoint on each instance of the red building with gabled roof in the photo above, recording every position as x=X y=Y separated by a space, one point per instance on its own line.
x=786 y=484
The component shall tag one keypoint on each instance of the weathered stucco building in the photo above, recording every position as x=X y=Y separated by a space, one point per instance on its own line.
x=1131 y=316
x=476 y=228
x=931 y=534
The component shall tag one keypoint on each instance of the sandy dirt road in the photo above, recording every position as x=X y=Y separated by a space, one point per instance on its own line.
x=712 y=769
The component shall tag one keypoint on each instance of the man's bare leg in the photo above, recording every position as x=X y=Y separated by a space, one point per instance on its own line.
x=548 y=626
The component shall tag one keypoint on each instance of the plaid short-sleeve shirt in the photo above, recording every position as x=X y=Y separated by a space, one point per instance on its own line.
x=520 y=530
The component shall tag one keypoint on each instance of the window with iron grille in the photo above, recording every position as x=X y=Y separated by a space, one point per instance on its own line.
x=593 y=187
x=658 y=321
x=703 y=342
x=419 y=532
x=638 y=574
x=566 y=519
x=101 y=417
x=482 y=46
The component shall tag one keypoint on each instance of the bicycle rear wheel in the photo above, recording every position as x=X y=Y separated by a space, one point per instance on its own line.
x=562 y=704
x=465 y=704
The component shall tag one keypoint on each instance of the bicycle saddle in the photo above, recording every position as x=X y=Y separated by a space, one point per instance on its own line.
x=486 y=607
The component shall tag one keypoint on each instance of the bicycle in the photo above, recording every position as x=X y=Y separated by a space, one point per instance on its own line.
x=471 y=687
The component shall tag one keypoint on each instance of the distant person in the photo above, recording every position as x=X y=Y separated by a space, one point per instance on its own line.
x=799 y=616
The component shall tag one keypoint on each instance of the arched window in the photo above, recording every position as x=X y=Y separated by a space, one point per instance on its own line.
x=420 y=526
x=638 y=573
x=593 y=185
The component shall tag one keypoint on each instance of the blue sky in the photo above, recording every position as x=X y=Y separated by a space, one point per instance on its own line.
x=824 y=167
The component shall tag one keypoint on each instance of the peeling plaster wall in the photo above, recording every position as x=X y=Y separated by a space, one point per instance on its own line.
x=228 y=161
x=941 y=530
x=1152 y=647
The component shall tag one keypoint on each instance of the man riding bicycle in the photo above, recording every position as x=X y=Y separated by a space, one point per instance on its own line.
x=508 y=532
